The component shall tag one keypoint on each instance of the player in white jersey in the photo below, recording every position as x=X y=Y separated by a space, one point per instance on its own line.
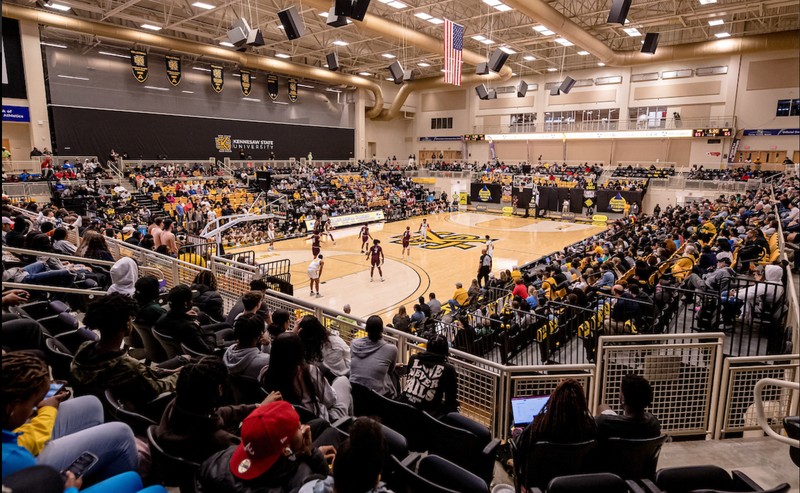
x=489 y=246
x=271 y=234
x=327 y=229
x=314 y=273
x=423 y=232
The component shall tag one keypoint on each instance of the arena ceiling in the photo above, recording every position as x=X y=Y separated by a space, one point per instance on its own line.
x=368 y=53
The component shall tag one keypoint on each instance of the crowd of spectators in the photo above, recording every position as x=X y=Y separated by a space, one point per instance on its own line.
x=742 y=173
x=631 y=171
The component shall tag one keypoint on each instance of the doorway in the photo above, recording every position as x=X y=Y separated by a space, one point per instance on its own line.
x=372 y=150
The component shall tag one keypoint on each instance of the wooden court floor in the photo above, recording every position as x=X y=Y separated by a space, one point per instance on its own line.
x=455 y=241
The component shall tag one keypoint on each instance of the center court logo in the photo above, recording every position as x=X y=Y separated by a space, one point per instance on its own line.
x=443 y=239
x=223 y=143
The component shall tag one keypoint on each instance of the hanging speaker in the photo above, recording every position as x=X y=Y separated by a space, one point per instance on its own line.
x=354 y=9
x=650 y=43
x=255 y=38
x=491 y=94
x=292 y=22
x=497 y=60
x=482 y=69
x=408 y=75
x=482 y=92
x=239 y=32
x=333 y=61
x=397 y=72
x=566 y=86
x=554 y=91
x=619 y=11
x=335 y=20
x=522 y=89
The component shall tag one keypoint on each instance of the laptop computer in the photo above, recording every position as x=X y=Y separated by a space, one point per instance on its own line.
x=524 y=409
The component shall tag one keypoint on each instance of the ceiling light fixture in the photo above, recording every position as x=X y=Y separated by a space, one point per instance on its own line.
x=279 y=102
x=583 y=53
x=156 y=88
x=188 y=92
x=423 y=16
x=202 y=69
x=507 y=50
x=388 y=55
x=551 y=69
x=283 y=55
x=707 y=2
x=478 y=37
x=435 y=20
x=365 y=74
x=492 y=3
x=601 y=64
x=202 y=5
x=255 y=100
x=151 y=27
x=226 y=43
x=397 y=5
x=305 y=85
x=723 y=35
x=423 y=64
x=543 y=30
x=330 y=89
x=529 y=58
x=54 y=45
x=563 y=41
x=58 y=6
x=339 y=42
x=323 y=14
x=280 y=26
x=73 y=77
x=632 y=32
x=108 y=53
x=502 y=7
x=716 y=22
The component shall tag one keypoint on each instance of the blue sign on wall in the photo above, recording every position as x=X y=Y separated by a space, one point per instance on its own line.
x=16 y=114
x=757 y=132
x=448 y=138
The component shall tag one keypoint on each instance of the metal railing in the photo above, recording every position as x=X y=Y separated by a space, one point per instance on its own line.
x=608 y=125
x=763 y=420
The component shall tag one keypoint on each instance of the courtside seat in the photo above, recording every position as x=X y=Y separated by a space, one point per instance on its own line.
x=708 y=479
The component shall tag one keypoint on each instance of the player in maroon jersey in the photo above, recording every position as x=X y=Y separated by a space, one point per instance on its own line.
x=406 y=242
x=375 y=256
x=315 y=246
x=365 y=237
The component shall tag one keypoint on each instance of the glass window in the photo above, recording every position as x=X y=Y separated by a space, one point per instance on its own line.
x=784 y=107
x=795 y=111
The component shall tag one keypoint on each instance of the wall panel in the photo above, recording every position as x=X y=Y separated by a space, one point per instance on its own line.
x=773 y=74
x=688 y=89
x=444 y=101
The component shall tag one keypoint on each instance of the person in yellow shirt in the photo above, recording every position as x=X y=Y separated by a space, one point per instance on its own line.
x=460 y=297
x=515 y=273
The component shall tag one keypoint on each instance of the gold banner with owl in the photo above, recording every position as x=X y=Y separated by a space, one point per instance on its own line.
x=173 y=69
x=139 y=65
x=293 y=90
x=272 y=87
x=217 y=78
x=246 y=81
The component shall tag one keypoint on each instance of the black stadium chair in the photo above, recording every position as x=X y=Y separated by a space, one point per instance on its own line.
x=58 y=357
x=630 y=458
x=435 y=475
x=708 y=479
x=461 y=446
x=792 y=426
x=191 y=352
x=169 y=469
x=170 y=345
x=548 y=460
x=122 y=412
x=590 y=483
x=399 y=416
x=153 y=350
x=246 y=390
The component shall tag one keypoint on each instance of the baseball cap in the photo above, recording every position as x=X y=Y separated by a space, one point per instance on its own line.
x=7 y=220
x=266 y=433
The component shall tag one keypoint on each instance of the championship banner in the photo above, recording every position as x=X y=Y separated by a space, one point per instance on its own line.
x=217 y=78
x=245 y=81
x=139 y=65
x=618 y=203
x=173 y=69
x=293 y=90
x=272 y=87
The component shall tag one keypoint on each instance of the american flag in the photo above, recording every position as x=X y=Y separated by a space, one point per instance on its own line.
x=453 y=44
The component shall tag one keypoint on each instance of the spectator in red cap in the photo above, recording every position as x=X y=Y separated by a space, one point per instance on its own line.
x=276 y=455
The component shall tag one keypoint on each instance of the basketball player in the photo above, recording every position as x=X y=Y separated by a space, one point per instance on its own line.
x=315 y=246
x=327 y=229
x=314 y=273
x=365 y=237
x=489 y=246
x=406 y=243
x=423 y=232
x=375 y=255
x=271 y=234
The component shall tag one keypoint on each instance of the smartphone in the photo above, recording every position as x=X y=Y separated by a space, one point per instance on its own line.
x=55 y=388
x=81 y=465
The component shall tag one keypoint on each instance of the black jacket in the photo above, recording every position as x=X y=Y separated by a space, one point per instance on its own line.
x=431 y=384
x=187 y=330
x=208 y=301
x=285 y=476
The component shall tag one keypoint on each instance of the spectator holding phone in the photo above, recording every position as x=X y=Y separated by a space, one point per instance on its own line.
x=60 y=431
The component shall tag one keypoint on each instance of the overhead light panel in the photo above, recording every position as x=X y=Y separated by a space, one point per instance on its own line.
x=365 y=74
x=397 y=5
x=279 y=102
x=202 y=69
x=487 y=42
x=543 y=30
x=601 y=64
x=54 y=45
x=281 y=27
x=226 y=43
x=529 y=58
x=583 y=53
x=283 y=55
x=563 y=42
x=330 y=89
x=423 y=16
x=305 y=85
x=502 y=7
x=255 y=100
x=58 y=6
x=156 y=88
x=388 y=55
x=492 y=3
x=151 y=27
x=202 y=5
x=73 y=77
x=339 y=42
x=632 y=32
x=435 y=20
x=707 y=2
x=716 y=22
x=551 y=69
x=723 y=35
x=424 y=64
x=508 y=50
x=188 y=92
x=323 y=14
x=108 y=53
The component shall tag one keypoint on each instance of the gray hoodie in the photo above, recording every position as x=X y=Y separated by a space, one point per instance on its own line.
x=247 y=362
x=372 y=364
x=124 y=274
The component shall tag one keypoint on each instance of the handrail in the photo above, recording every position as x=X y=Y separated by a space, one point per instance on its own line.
x=762 y=419
x=52 y=289
x=77 y=260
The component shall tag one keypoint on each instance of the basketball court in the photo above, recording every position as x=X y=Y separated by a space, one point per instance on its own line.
x=451 y=255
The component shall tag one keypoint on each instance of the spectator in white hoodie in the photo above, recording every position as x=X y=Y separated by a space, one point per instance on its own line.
x=124 y=274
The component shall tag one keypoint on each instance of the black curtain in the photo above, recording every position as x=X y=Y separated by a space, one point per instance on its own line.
x=491 y=193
